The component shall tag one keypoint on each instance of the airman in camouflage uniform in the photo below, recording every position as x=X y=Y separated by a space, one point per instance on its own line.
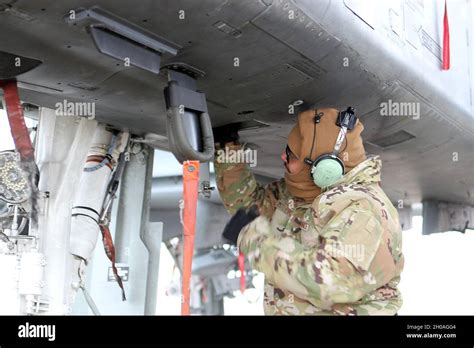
x=338 y=253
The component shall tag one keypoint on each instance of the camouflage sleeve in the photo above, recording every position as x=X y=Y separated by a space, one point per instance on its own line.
x=336 y=270
x=237 y=185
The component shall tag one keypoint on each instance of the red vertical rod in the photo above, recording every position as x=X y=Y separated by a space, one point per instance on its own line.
x=190 y=196
x=446 y=54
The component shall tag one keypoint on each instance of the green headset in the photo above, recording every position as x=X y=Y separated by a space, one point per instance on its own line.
x=327 y=169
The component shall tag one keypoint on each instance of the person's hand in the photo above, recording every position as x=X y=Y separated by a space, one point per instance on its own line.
x=240 y=219
x=225 y=134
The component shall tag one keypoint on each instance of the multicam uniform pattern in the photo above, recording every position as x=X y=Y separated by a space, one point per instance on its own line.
x=339 y=255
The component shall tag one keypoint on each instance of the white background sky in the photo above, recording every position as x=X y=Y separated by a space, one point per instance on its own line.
x=438 y=276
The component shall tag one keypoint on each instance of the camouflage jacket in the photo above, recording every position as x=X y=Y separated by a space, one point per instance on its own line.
x=339 y=255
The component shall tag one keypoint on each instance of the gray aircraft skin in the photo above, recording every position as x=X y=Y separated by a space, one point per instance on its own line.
x=260 y=62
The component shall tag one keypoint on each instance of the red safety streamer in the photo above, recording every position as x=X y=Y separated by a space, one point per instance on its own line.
x=18 y=127
x=446 y=54
x=110 y=252
x=241 y=261
x=190 y=196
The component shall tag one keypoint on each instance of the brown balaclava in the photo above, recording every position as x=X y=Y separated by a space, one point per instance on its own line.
x=300 y=140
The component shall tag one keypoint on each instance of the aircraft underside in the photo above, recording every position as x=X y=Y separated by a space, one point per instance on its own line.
x=109 y=85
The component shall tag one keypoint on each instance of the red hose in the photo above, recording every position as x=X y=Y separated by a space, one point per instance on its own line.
x=18 y=127
x=190 y=196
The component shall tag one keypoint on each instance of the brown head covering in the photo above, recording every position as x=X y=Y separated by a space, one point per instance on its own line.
x=300 y=141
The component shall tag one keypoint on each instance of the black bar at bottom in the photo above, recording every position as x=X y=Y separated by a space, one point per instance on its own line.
x=141 y=330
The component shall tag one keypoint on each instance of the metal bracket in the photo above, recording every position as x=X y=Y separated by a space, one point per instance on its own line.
x=181 y=92
x=184 y=68
x=205 y=189
x=120 y=39
x=189 y=126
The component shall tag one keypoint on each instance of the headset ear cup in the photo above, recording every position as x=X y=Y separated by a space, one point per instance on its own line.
x=327 y=170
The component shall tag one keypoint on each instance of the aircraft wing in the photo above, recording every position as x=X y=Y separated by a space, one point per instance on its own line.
x=259 y=58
